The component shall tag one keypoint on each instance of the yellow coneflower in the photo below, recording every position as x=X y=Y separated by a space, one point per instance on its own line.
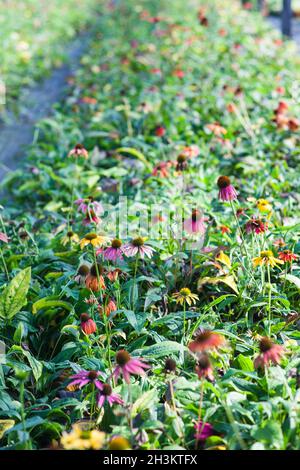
x=264 y=206
x=82 y=439
x=92 y=239
x=70 y=237
x=267 y=258
x=185 y=295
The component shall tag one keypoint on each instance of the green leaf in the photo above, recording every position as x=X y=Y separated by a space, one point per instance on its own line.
x=144 y=402
x=244 y=363
x=47 y=302
x=160 y=349
x=5 y=424
x=293 y=279
x=14 y=296
x=135 y=153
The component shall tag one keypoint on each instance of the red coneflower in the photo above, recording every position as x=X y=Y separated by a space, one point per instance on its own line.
x=269 y=353
x=95 y=279
x=160 y=131
x=78 y=151
x=205 y=340
x=88 y=326
x=161 y=170
x=226 y=191
x=287 y=256
x=255 y=225
x=204 y=368
x=126 y=366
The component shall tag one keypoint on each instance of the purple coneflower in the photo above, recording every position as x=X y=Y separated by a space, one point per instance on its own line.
x=226 y=191
x=137 y=247
x=203 y=431
x=78 y=151
x=195 y=223
x=107 y=395
x=126 y=366
x=85 y=377
x=114 y=252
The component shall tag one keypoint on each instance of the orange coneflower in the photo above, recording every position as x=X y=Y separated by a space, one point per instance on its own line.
x=287 y=256
x=95 y=279
x=269 y=353
x=206 y=340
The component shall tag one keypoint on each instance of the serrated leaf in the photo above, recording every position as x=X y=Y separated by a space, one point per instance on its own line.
x=160 y=349
x=14 y=296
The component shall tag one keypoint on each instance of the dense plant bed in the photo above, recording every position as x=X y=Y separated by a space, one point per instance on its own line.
x=34 y=35
x=150 y=242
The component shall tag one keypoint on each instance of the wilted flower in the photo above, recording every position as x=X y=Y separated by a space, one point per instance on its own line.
x=266 y=258
x=203 y=431
x=95 y=279
x=204 y=368
x=78 y=151
x=107 y=395
x=85 y=377
x=70 y=237
x=185 y=295
x=137 y=246
x=279 y=243
x=126 y=365
x=82 y=273
x=81 y=439
x=205 y=340
x=88 y=326
x=114 y=252
x=287 y=256
x=195 y=224
x=226 y=191
x=269 y=353
x=170 y=365
x=256 y=226
x=109 y=308
x=161 y=170
x=92 y=239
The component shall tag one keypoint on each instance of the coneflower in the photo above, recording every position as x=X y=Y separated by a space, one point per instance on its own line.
x=182 y=163
x=95 y=279
x=88 y=326
x=107 y=395
x=206 y=340
x=78 y=151
x=126 y=365
x=138 y=246
x=114 y=252
x=81 y=274
x=170 y=365
x=226 y=191
x=195 y=224
x=204 y=368
x=269 y=353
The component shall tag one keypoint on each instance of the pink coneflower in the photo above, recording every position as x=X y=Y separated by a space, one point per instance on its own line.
x=204 y=368
x=107 y=395
x=95 y=279
x=114 y=252
x=137 y=247
x=191 y=151
x=203 y=431
x=195 y=223
x=85 y=377
x=226 y=191
x=88 y=326
x=255 y=225
x=216 y=129
x=269 y=353
x=91 y=209
x=280 y=243
x=78 y=151
x=205 y=340
x=3 y=237
x=91 y=217
x=287 y=256
x=126 y=366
